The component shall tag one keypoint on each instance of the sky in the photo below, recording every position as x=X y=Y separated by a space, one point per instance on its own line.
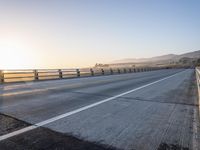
x=80 y=33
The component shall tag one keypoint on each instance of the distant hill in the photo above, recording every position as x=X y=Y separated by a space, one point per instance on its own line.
x=195 y=54
x=163 y=58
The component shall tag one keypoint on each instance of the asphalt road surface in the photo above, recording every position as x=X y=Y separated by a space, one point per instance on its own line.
x=156 y=110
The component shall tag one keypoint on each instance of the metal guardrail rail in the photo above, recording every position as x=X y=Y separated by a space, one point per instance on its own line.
x=7 y=76
x=198 y=84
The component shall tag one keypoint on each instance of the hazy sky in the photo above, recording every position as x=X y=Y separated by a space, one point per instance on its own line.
x=72 y=33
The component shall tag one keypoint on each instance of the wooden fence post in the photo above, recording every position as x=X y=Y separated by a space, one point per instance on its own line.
x=36 y=75
x=111 y=71
x=78 y=72
x=118 y=70
x=60 y=73
x=102 y=71
x=1 y=76
x=92 y=72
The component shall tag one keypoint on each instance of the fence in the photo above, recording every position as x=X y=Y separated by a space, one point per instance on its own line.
x=47 y=74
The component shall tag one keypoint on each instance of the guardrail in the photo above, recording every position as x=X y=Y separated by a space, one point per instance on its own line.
x=47 y=74
x=198 y=83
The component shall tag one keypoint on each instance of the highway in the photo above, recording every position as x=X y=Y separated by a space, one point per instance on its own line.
x=153 y=110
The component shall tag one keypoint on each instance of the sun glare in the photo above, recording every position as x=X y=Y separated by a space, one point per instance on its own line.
x=14 y=54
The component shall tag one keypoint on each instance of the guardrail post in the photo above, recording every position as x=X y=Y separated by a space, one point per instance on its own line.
x=92 y=72
x=60 y=73
x=124 y=70
x=130 y=70
x=78 y=72
x=102 y=71
x=1 y=76
x=111 y=71
x=36 y=75
x=118 y=70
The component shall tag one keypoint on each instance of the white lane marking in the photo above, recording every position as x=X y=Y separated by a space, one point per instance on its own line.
x=29 y=128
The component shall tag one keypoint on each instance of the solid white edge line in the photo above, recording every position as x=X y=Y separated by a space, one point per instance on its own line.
x=29 y=128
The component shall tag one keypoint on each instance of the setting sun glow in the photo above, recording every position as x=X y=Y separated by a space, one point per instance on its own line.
x=15 y=54
x=66 y=34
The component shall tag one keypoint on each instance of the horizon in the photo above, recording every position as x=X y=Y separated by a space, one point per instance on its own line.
x=77 y=34
x=162 y=55
x=112 y=62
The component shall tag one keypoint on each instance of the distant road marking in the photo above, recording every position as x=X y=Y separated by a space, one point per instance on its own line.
x=6 y=136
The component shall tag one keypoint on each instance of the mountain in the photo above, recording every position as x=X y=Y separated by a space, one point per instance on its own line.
x=195 y=54
x=163 y=58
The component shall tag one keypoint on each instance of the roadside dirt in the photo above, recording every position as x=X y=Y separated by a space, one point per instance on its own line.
x=9 y=124
x=164 y=146
x=45 y=139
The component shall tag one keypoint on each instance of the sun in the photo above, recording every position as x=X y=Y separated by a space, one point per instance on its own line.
x=14 y=54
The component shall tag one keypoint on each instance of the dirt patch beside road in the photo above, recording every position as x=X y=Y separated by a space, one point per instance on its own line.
x=45 y=139
x=9 y=124
x=164 y=146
